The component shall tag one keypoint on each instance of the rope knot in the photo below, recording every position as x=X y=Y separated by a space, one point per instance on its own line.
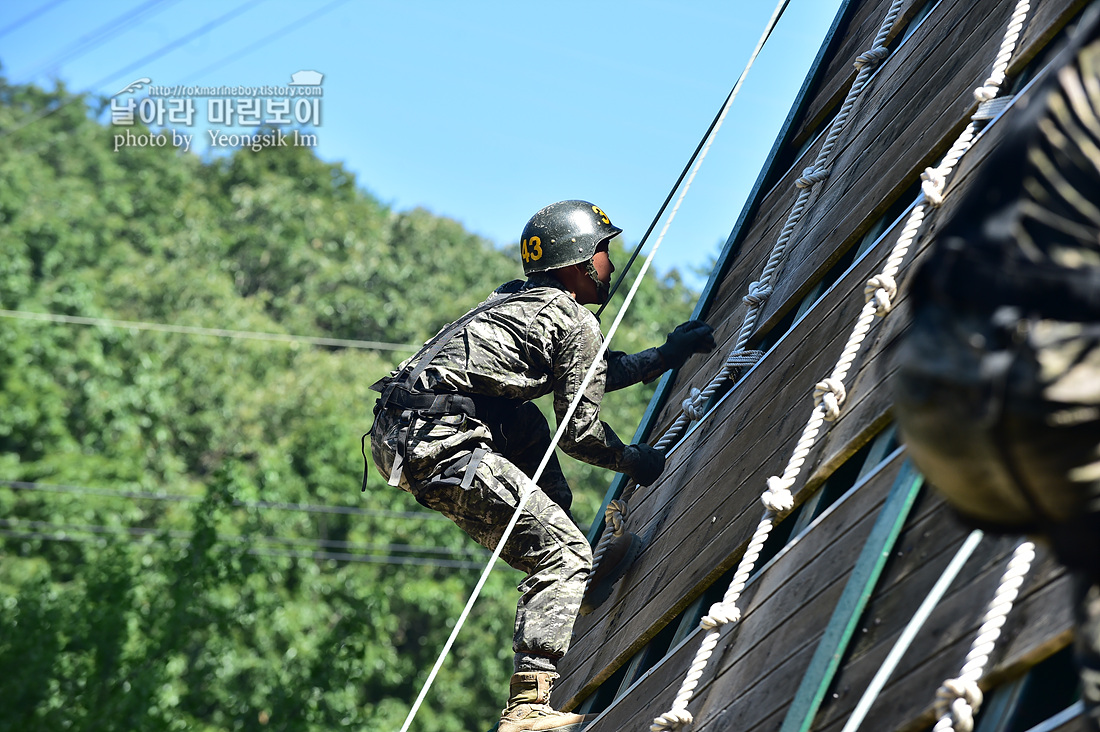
x=871 y=58
x=720 y=614
x=882 y=289
x=933 y=182
x=990 y=108
x=739 y=359
x=811 y=176
x=758 y=294
x=778 y=497
x=960 y=699
x=615 y=515
x=986 y=93
x=695 y=406
x=673 y=719
x=830 y=393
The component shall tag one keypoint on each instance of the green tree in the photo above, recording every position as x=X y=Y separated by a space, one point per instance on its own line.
x=184 y=542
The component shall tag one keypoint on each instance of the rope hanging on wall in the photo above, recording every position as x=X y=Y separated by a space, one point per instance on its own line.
x=829 y=394
x=740 y=357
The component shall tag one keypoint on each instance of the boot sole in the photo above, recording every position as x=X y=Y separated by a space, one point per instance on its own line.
x=575 y=727
x=599 y=592
x=571 y=727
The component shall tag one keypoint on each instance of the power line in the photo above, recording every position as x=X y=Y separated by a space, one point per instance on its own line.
x=141 y=532
x=101 y=34
x=29 y=17
x=336 y=556
x=292 y=26
x=170 y=46
x=300 y=507
x=215 y=332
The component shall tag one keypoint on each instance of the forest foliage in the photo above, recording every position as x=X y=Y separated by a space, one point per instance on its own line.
x=183 y=541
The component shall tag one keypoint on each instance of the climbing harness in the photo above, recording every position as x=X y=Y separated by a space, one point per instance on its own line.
x=400 y=391
x=829 y=394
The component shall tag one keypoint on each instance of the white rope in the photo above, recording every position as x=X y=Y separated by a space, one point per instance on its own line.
x=760 y=290
x=529 y=488
x=958 y=700
x=721 y=614
x=563 y=423
x=910 y=632
x=829 y=394
x=606 y=538
x=992 y=86
x=777 y=498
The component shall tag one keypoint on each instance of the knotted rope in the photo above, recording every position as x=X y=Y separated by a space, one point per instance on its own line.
x=958 y=700
x=606 y=538
x=778 y=498
x=759 y=290
x=829 y=394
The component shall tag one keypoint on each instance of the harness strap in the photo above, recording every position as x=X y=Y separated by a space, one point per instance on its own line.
x=402 y=448
x=471 y=467
x=400 y=390
x=432 y=348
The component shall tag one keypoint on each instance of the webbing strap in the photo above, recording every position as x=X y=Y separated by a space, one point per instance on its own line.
x=471 y=467
x=432 y=348
x=405 y=382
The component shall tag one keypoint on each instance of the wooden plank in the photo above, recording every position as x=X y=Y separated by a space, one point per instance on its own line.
x=651 y=516
x=1041 y=25
x=873 y=110
x=736 y=284
x=1049 y=18
x=793 y=586
x=763 y=675
x=1038 y=626
x=920 y=100
x=865 y=575
x=602 y=652
x=840 y=72
x=918 y=117
x=885 y=335
x=696 y=579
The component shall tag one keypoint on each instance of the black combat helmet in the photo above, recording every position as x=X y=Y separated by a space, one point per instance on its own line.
x=562 y=234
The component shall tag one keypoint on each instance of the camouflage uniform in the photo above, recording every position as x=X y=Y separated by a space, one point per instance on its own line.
x=474 y=469
x=998 y=381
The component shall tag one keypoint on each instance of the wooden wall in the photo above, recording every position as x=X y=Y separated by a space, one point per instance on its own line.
x=697 y=519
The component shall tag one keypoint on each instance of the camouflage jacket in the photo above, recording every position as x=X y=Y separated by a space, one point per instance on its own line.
x=541 y=341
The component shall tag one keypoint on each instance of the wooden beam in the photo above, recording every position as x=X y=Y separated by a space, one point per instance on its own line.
x=857 y=592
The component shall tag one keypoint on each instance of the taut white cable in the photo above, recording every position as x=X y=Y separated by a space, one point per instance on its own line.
x=618 y=508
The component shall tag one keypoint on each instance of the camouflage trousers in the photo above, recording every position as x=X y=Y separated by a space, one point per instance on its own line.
x=474 y=474
x=1003 y=416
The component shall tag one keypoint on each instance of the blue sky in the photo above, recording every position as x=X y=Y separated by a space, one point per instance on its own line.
x=480 y=111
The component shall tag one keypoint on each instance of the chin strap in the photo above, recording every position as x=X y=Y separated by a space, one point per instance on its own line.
x=603 y=290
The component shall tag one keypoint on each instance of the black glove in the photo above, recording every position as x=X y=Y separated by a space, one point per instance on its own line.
x=642 y=463
x=694 y=336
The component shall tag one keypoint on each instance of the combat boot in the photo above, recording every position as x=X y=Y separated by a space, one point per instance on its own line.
x=617 y=559
x=529 y=706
